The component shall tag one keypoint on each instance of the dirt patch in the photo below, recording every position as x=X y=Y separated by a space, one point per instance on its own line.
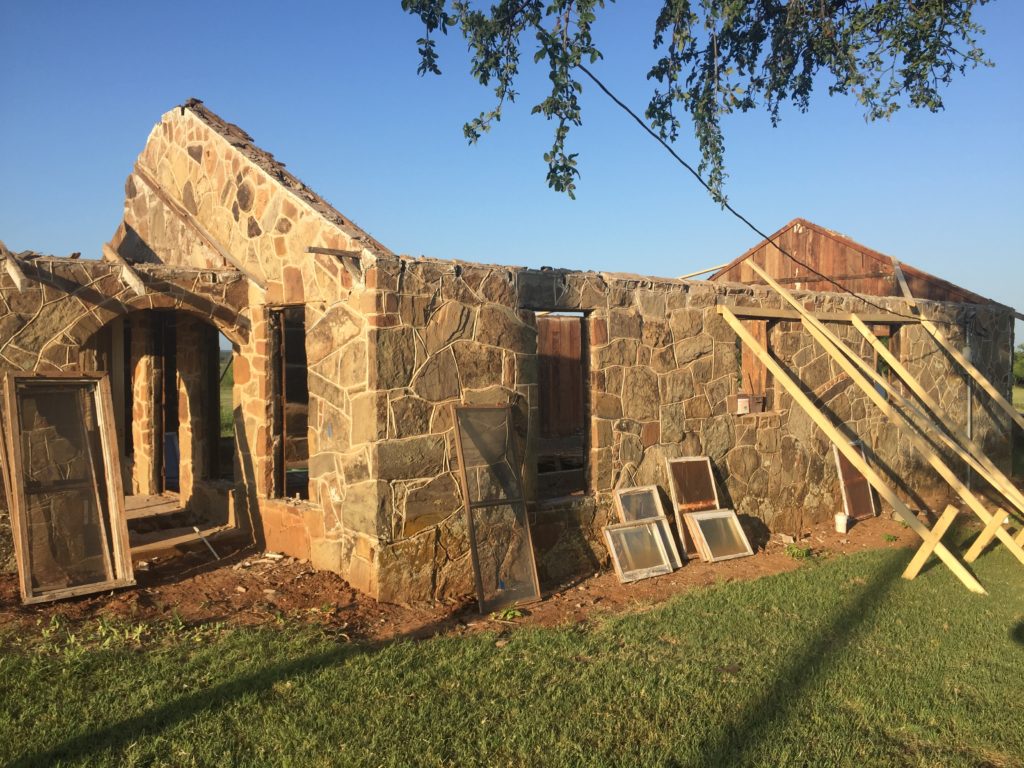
x=248 y=588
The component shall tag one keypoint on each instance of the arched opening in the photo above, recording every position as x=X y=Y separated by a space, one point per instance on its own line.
x=171 y=376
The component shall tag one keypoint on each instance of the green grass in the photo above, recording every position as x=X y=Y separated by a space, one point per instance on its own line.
x=227 y=382
x=1018 y=398
x=838 y=663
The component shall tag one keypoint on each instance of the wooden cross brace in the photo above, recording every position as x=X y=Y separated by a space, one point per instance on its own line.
x=931 y=541
x=989 y=532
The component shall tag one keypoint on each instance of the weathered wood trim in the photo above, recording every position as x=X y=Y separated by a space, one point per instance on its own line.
x=129 y=276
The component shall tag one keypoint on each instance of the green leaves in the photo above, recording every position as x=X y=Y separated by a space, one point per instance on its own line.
x=715 y=57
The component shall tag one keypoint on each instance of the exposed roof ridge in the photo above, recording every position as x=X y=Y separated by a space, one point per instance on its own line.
x=244 y=143
x=969 y=297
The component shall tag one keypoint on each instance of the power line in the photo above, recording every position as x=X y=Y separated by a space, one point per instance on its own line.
x=718 y=198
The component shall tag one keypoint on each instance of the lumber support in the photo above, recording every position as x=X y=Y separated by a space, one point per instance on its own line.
x=931 y=541
x=688 y=275
x=180 y=211
x=957 y=440
x=12 y=265
x=849 y=362
x=129 y=276
x=844 y=446
x=953 y=352
x=789 y=315
x=988 y=533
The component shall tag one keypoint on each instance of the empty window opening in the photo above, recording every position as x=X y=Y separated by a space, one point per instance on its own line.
x=290 y=402
x=561 y=373
x=165 y=338
x=221 y=410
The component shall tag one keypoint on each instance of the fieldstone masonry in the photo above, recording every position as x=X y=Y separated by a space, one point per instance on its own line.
x=221 y=233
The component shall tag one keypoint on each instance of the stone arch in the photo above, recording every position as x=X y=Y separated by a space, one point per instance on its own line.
x=61 y=352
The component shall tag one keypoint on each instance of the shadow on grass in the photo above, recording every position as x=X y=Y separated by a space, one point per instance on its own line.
x=117 y=735
x=737 y=742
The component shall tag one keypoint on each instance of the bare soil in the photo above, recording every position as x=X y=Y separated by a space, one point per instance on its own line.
x=248 y=588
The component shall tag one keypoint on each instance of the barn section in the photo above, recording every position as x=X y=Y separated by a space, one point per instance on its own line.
x=353 y=464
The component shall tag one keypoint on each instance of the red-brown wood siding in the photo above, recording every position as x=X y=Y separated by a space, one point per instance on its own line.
x=560 y=375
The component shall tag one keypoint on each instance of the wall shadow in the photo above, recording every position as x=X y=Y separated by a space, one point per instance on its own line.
x=739 y=740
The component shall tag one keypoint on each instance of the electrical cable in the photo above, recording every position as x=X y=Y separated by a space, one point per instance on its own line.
x=718 y=198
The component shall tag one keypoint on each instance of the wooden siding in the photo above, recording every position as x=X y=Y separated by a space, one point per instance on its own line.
x=560 y=375
x=836 y=257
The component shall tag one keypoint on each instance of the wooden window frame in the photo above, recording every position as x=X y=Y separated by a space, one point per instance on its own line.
x=693 y=521
x=484 y=603
x=113 y=517
x=624 y=517
x=660 y=530
x=844 y=491
x=277 y=361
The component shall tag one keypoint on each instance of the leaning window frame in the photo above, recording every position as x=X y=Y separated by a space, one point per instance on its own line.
x=484 y=602
x=660 y=530
x=675 y=558
x=693 y=520
x=115 y=518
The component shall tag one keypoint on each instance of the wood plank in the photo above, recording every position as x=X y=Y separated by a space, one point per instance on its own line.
x=754 y=374
x=845 y=358
x=180 y=211
x=973 y=453
x=843 y=444
x=930 y=542
x=988 y=533
x=943 y=342
x=129 y=276
x=688 y=275
x=769 y=313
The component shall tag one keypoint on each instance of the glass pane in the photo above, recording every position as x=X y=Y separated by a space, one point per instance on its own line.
x=636 y=548
x=639 y=505
x=694 y=486
x=504 y=555
x=723 y=536
x=489 y=455
x=64 y=482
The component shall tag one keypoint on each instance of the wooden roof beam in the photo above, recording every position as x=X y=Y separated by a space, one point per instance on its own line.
x=179 y=210
x=13 y=267
x=128 y=274
x=872 y=318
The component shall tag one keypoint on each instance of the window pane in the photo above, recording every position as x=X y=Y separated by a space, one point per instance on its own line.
x=723 y=537
x=636 y=548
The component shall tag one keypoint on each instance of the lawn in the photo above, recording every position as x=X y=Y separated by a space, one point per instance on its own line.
x=1018 y=398
x=838 y=663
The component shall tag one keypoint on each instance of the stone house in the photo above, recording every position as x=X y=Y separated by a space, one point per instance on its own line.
x=347 y=359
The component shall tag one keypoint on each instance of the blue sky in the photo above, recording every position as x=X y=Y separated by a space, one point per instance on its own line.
x=331 y=89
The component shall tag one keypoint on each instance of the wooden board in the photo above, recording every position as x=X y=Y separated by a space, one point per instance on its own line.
x=823 y=423
x=858 y=499
x=870 y=384
x=560 y=375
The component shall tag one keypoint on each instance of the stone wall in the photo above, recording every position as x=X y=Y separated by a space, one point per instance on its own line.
x=201 y=190
x=51 y=324
x=662 y=367
x=222 y=233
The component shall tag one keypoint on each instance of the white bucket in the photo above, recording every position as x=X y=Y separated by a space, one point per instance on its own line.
x=842 y=521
